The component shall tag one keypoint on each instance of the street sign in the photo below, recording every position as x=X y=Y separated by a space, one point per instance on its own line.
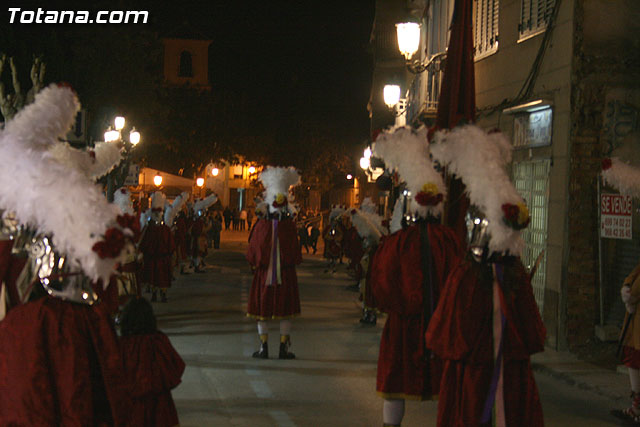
x=616 y=216
x=133 y=176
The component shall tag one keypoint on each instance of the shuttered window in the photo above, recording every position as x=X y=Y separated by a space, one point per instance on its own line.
x=485 y=27
x=534 y=16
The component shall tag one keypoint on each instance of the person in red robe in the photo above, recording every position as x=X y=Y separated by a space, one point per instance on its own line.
x=60 y=365
x=333 y=236
x=477 y=387
x=273 y=253
x=180 y=237
x=152 y=365
x=408 y=272
x=487 y=323
x=157 y=246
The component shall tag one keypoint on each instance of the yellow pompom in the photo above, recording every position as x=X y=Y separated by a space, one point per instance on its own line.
x=280 y=198
x=430 y=188
x=523 y=214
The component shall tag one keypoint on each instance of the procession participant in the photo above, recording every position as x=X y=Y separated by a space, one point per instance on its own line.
x=408 y=272
x=370 y=229
x=180 y=230
x=60 y=361
x=198 y=232
x=157 y=247
x=626 y=179
x=151 y=363
x=333 y=236
x=128 y=280
x=273 y=254
x=487 y=323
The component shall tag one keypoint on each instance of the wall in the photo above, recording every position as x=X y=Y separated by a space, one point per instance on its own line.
x=500 y=77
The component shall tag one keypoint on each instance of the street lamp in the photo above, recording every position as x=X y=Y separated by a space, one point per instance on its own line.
x=408 y=34
x=391 y=95
x=111 y=135
x=200 y=182
x=349 y=176
x=365 y=162
x=252 y=170
x=157 y=180
x=134 y=136
x=119 y=122
x=215 y=171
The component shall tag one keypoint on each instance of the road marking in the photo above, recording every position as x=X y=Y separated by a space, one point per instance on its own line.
x=261 y=389
x=282 y=419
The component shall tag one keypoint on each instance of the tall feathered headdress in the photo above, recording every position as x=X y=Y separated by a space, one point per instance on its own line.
x=479 y=159
x=175 y=207
x=621 y=176
x=406 y=150
x=277 y=182
x=368 y=225
x=202 y=205
x=122 y=199
x=52 y=198
x=94 y=163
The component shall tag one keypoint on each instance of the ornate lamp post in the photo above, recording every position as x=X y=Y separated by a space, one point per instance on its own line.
x=117 y=176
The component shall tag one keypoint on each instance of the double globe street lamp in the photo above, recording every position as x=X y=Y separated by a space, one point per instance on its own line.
x=117 y=177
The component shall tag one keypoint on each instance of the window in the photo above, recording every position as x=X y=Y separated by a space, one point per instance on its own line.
x=485 y=27
x=534 y=16
x=186 y=66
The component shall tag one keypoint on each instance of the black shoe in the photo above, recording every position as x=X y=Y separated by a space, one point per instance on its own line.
x=154 y=296
x=263 y=353
x=284 y=352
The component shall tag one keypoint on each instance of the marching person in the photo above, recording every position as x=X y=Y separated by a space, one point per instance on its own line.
x=487 y=323
x=626 y=178
x=199 y=229
x=152 y=365
x=157 y=246
x=408 y=272
x=274 y=253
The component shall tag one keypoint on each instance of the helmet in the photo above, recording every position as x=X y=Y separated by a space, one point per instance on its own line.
x=477 y=233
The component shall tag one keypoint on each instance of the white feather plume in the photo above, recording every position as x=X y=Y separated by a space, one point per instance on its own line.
x=204 y=204
x=623 y=177
x=175 y=207
x=40 y=124
x=336 y=211
x=368 y=225
x=122 y=199
x=396 y=216
x=367 y=205
x=46 y=194
x=107 y=156
x=279 y=180
x=406 y=150
x=479 y=159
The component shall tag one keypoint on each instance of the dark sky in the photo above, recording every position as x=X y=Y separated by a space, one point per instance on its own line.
x=291 y=60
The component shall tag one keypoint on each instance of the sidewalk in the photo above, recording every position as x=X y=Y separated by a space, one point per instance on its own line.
x=566 y=367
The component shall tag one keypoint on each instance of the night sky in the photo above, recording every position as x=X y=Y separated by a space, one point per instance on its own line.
x=284 y=61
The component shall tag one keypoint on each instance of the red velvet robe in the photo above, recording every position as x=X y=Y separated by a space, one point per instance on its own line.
x=197 y=230
x=11 y=265
x=157 y=246
x=154 y=367
x=354 y=251
x=281 y=300
x=180 y=237
x=396 y=283
x=60 y=365
x=461 y=333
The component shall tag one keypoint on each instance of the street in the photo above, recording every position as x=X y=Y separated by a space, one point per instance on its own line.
x=332 y=380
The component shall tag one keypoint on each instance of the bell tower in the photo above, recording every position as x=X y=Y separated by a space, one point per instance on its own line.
x=186 y=62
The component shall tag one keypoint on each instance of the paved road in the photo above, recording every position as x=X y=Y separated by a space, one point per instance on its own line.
x=332 y=380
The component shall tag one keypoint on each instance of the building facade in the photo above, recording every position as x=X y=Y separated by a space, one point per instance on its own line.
x=561 y=79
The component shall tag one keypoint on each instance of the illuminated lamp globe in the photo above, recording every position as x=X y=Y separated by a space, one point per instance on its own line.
x=157 y=180
x=252 y=170
x=365 y=163
x=408 y=34
x=119 y=121
x=200 y=182
x=134 y=136
x=111 y=135
x=391 y=95
x=215 y=171
x=367 y=152
x=349 y=176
